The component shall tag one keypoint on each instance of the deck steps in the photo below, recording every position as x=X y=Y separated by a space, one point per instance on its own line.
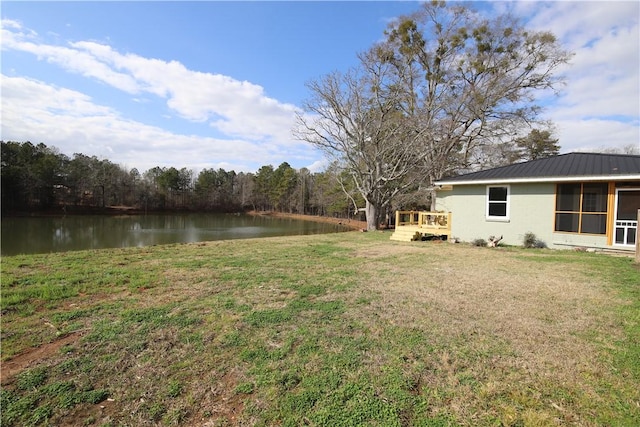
x=404 y=234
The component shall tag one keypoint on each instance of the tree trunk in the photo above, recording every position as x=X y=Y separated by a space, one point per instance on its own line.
x=432 y=196
x=371 y=212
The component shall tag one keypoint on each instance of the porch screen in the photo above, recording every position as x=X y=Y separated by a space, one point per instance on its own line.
x=582 y=208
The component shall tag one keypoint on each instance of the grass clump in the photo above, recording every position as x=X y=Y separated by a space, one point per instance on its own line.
x=35 y=399
x=32 y=379
x=174 y=388
x=344 y=329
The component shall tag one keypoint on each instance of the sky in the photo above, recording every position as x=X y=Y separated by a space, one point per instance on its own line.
x=212 y=84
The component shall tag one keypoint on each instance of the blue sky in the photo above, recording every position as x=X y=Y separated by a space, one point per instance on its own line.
x=217 y=84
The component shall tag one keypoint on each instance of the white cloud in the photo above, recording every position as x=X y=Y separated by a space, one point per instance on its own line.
x=257 y=128
x=69 y=120
x=577 y=23
x=604 y=73
x=20 y=94
x=318 y=166
x=15 y=37
x=595 y=134
x=600 y=105
x=237 y=108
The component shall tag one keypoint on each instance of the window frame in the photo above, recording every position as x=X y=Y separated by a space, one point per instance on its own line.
x=582 y=214
x=507 y=203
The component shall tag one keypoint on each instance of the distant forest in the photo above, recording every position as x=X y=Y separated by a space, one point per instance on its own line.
x=37 y=178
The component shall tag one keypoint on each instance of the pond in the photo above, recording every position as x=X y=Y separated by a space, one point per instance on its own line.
x=30 y=235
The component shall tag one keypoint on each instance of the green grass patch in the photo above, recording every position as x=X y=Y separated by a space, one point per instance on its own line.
x=348 y=329
x=36 y=398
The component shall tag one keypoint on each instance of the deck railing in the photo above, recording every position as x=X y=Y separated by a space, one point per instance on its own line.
x=430 y=222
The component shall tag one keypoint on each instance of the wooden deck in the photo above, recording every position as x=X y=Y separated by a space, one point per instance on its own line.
x=415 y=225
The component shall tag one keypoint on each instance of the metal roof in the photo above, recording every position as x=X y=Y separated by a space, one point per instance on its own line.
x=565 y=167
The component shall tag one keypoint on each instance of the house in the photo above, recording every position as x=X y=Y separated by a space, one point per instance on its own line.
x=572 y=200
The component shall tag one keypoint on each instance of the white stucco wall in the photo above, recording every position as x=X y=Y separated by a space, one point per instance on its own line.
x=531 y=210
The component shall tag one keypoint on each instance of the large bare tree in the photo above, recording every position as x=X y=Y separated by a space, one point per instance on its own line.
x=355 y=118
x=470 y=81
x=444 y=83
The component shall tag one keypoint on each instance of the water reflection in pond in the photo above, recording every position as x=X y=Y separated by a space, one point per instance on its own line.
x=58 y=234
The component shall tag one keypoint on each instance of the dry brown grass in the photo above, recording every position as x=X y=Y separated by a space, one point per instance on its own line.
x=471 y=300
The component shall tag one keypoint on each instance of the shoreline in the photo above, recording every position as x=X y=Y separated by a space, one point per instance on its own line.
x=350 y=223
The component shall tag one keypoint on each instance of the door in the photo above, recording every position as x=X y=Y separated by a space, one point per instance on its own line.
x=626 y=219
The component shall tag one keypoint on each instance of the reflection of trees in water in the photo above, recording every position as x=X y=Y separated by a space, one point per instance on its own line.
x=48 y=234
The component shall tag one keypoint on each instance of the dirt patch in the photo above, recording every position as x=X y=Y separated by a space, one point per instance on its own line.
x=22 y=361
x=222 y=403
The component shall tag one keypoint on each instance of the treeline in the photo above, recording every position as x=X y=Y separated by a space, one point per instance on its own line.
x=40 y=178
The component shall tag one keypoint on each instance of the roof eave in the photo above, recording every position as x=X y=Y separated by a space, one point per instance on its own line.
x=629 y=177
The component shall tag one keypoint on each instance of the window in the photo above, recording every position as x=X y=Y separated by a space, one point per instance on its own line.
x=582 y=208
x=498 y=203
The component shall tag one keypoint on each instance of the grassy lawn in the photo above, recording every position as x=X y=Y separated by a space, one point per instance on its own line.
x=342 y=329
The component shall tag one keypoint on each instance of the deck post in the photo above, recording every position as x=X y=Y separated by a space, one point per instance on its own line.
x=397 y=219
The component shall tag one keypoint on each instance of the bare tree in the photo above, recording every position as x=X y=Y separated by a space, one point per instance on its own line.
x=633 y=149
x=355 y=118
x=469 y=81
x=428 y=101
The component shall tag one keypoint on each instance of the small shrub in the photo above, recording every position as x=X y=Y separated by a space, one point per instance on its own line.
x=479 y=242
x=531 y=241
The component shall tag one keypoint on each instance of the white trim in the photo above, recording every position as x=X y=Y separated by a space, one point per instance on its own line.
x=507 y=203
x=550 y=179
x=619 y=248
x=615 y=220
